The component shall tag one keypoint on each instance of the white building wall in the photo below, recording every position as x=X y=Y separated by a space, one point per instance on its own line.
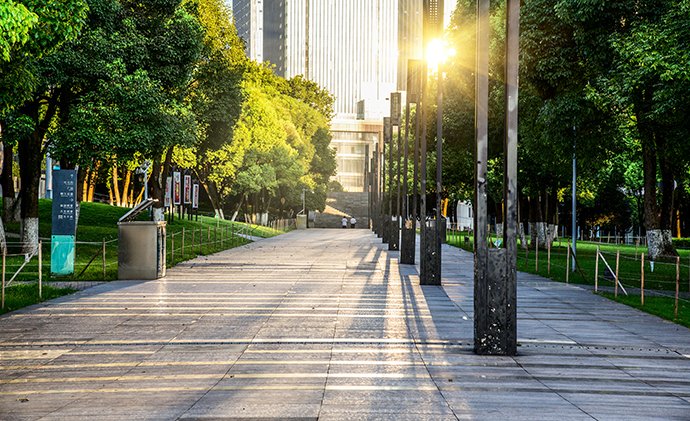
x=353 y=48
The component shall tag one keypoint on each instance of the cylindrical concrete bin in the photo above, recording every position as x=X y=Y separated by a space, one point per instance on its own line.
x=301 y=222
x=141 y=250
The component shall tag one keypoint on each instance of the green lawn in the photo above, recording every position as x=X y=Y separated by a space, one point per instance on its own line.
x=22 y=295
x=662 y=279
x=98 y=224
x=658 y=306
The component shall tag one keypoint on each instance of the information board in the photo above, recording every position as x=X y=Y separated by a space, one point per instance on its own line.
x=64 y=218
x=64 y=202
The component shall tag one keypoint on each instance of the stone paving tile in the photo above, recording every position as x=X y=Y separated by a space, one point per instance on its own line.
x=326 y=325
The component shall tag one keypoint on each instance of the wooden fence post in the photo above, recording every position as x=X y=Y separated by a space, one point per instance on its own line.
x=172 y=249
x=103 y=256
x=40 y=269
x=596 y=272
x=642 y=280
x=567 y=265
x=193 y=238
x=675 y=306
x=183 y=243
x=201 y=239
x=615 y=288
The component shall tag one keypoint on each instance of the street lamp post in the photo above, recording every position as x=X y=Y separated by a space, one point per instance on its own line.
x=574 y=202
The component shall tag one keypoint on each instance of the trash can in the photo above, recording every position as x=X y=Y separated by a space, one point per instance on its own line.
x=141 y=246
x=301 y=222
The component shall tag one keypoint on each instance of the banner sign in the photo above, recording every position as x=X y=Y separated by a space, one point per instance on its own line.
x=187 y=189
x=177 y=188
x=168 y=191
x=195 y=196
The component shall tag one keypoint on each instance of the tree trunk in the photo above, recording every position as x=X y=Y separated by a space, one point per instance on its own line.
x=237 y=210
x=125 y=189
x=11 y=205
x=92 y=181
x=116 y=187
x=30 y=173
x=212 y=191
x=83 y=183
x=657 y=219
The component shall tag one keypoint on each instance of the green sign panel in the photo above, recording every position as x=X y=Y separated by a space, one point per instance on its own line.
x=62 y=254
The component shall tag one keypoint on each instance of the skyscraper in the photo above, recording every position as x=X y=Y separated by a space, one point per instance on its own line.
x=250 y=26
x=356 y=49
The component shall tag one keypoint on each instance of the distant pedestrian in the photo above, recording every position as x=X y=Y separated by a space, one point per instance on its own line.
x=353 y=222
x=343 y=222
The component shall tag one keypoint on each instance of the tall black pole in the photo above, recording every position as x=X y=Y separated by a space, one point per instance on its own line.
x=495 y=326
x=423 y=241
x=385 y=218
x=430 y=253
x=415 y=159
x=396 y=102
x=408 y=235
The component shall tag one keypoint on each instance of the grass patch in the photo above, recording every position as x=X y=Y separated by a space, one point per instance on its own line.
x=98 y=223
x=23 y=295
x=658 y=306
x=662 y=279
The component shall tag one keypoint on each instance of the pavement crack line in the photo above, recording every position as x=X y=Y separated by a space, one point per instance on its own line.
x=239 y=357
x=330 y=355
x=538 y=380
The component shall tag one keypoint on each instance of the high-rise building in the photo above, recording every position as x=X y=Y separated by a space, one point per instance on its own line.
x=275 y=26
x=356 y=49
x=250 y=26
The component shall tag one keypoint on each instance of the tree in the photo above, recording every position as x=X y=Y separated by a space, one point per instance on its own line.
x=216 y=98
x=32 y=100
x=638 y=53
x=15 y=22
x=114 y=91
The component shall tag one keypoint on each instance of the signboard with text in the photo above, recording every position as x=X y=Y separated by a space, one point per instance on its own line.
x=64 y=222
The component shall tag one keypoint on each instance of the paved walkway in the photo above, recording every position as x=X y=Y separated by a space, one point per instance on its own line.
x=324 y=324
